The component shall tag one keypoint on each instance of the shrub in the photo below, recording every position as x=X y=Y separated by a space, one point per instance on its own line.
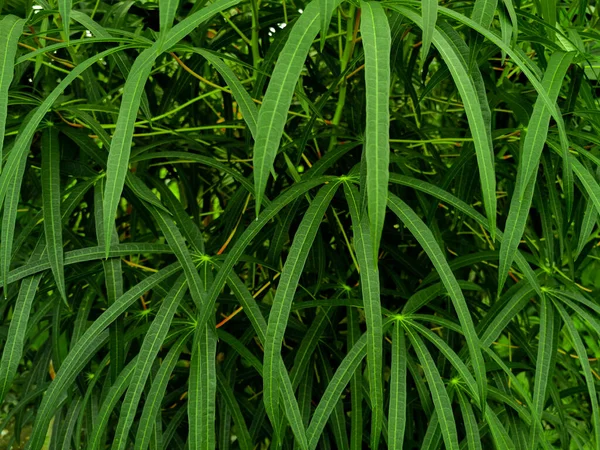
x=285 y=225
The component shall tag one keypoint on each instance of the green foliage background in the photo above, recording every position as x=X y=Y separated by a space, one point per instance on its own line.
x=278 y=224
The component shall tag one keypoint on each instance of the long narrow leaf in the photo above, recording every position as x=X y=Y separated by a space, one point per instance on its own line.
x=11 y=28
x=427 y=241
x=398 y=390
x=533 y=145
x=369 y=281
x=375 y=30
x=290 y=276
x=272 y=114
x=51 y=202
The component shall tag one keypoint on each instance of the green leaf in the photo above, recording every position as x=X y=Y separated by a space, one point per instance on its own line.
x=369 y=282
x=13 y=347
x=588 y=181
x=420 y=231
x=190 y=23
x=483 y=12
x=398 y=390
x=8 y=219
x=113 y=395
x=11 y=28
x=243 y=99
x=177 y=244
x=590 y=217
x=22 y=143
x=547 y=348
x=113 y=278
x=243 y=435
x=272 y=115
x=375 y=31
x=470 y=421
x=93 y=338
x=514 y=303
x=333 y=391
x=150 y=346
x=499 y=433
x=51 y=206
x=459 y=366
x=337 y=419
x=120 y=149
x=356 y=385
x=118 y=158
x=469 y=211
x=167 y=10
x=528 y=67
x=480 y=129
x=202 y=390
x=65 y=7
x=440 y=397
x=533 y=144
x=327 y=7
x=286 y=289
x=157 y=392
x=120 y=58
x=286 y=388
x=582 y=355
x=86 y=254
x=429 y=19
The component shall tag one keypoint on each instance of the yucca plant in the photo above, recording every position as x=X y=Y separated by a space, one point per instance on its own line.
x=290 y=225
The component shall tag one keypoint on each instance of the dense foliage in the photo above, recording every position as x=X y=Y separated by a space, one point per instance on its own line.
x=278 y=224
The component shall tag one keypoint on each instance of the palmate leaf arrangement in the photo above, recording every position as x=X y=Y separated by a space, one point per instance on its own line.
x=299 y=225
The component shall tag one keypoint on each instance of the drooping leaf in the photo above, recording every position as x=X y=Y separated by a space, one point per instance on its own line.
x=439 y=395
x=533 y=145
x=272 y=113
x=375 y=30
x=11 y=28
x=427 y=241
x=397 y=415
x=51 y=206
x=290 y=276
x=370 y=288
